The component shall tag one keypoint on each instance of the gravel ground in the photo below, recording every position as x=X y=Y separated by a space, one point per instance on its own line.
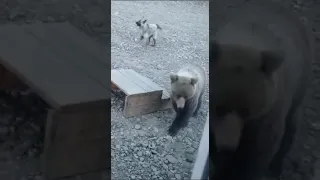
x=141 y=147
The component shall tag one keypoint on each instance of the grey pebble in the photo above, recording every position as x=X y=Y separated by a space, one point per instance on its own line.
x=189 y=157
x=190 y=150
x=133 y=177
x=171 y=159
x=178 y=176
x=139 y=153
x=137 y=126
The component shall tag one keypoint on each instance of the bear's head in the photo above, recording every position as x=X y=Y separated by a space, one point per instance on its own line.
x=244 y=79
x=183 y=87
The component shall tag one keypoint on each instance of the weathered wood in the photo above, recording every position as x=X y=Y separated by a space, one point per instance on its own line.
x=70 y=72
x=143 y=95
x=77 y=141
x=9 y=81
x=142 y=104
x=125 y=84
x=46 y=67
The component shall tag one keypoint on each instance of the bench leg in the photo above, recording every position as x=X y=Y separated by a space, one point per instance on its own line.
x=140 y=104
x=76 y=141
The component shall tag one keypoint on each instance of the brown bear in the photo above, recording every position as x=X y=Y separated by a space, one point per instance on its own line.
x=187 y=89
x=257 y=83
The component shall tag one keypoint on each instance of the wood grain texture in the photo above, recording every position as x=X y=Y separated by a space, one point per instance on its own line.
x=77 y=141
x=60 y=71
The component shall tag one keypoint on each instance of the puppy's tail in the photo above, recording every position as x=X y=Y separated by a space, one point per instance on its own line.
x=158 y=27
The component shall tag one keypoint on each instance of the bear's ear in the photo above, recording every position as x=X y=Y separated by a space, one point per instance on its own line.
x=144 y=21
x=271 y=60
x=173 y=77
x=193 y=81
x=214 y=50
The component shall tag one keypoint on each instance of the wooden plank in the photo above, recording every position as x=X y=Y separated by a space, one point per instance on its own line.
x=144 y=99
x=201 y=166
x=9 y=81
x=143 y=82
x=126 y=85
x=37 y=64
x=71 y=52
x=142 y=109
x=77 y=158
x=81 y=41
x=81 y=126
x=77 y=141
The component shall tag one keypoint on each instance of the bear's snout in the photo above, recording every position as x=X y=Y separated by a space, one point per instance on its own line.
x=179 y=109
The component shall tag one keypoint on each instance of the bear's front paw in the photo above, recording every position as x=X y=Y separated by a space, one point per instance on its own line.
x=173 y=131
x=195 y=114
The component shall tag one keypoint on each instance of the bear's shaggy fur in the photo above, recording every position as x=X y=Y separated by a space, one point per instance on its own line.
x=261 y=64
x=260 y=87
x=187 y=89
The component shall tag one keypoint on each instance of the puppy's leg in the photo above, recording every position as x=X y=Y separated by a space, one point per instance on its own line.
x=150 y=39
x=154 y=38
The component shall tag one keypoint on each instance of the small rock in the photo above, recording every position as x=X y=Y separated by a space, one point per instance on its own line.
x=141 y=159
x=189 y=157
x=190 y=150
x=178 y=176
x=171 y=159
x=153 y=168
x=137 y=126
x=133 y=177
x=139 y=153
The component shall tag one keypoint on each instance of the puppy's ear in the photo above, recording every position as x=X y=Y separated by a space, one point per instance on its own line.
x=144 y=21
x=173 y=77
x=193 y=80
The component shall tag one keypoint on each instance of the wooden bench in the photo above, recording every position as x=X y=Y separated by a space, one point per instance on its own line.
x=70 y=71
x=143 y=96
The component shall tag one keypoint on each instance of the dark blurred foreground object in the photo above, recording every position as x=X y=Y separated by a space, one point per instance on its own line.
x=261 y=69
x=68 y=70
